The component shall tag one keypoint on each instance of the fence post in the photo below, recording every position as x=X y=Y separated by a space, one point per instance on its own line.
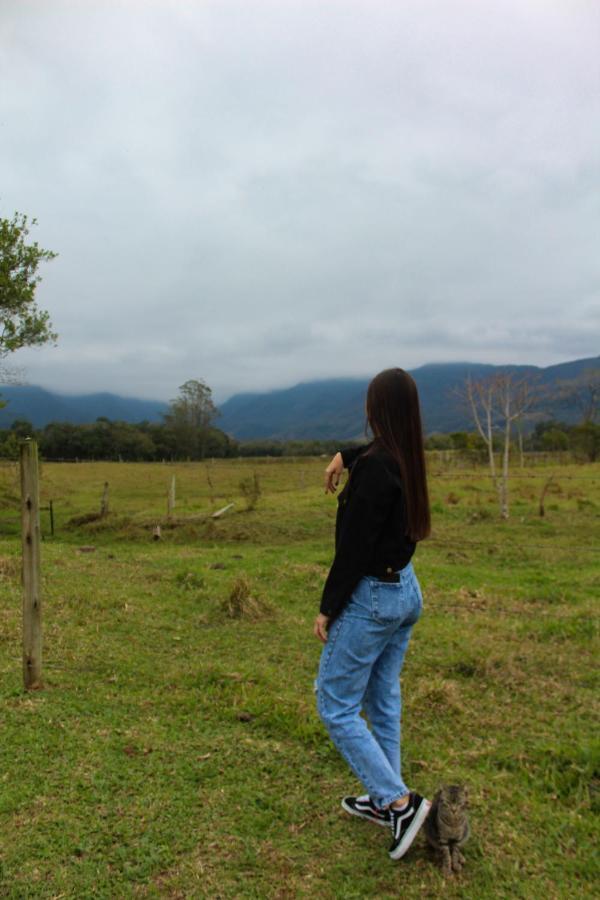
x=30 y=531
x=171 y=498
x=210 y=484
x=104 y=501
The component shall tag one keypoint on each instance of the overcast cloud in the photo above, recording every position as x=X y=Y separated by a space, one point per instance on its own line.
x=259 y=193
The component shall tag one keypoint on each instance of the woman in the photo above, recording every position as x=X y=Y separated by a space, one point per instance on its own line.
x=371 y=600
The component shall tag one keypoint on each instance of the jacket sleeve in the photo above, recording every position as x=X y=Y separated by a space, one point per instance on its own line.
x=368 y=505
x=350 y=454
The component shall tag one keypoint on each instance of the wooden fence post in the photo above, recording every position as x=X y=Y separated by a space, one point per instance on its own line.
x=104 y=501
x=210 y=484
x=171 y=498
x=32 y=601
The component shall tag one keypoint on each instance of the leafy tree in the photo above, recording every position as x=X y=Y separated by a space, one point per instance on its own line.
x=459 y=440
x=22 y=323
x=130 y=443
x=555 y=439
x=585 y=440
x=538 y=439
x=9 y=449
x=190 y=416
x=220 y=444
x=22 y=428
x=438 y=441
x=63 y=440
x=163 y=438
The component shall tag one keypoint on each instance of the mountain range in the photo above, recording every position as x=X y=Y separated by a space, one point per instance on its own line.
x=329 y=408
x=334 y=408
x=40 y=406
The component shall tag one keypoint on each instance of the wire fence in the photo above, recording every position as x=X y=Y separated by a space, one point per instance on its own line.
x=203 y=494
x=507 y=546
x=531 y=458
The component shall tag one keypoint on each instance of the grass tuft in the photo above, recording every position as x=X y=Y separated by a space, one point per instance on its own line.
x=241 y=604
x=438 y=694
x=10 y=566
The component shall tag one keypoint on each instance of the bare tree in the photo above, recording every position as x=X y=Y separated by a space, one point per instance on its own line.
x=480 y=398
x=496 y=403
x=527 y=395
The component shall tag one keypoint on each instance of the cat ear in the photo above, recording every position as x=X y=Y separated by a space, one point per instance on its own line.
x=466 y=795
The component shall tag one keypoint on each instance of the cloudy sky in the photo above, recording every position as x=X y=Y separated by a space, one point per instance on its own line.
x=258 y=193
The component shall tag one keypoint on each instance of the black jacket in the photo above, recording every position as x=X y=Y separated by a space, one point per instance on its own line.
x=370 y=525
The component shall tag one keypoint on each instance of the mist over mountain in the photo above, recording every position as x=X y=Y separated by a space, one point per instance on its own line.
x=325 y=409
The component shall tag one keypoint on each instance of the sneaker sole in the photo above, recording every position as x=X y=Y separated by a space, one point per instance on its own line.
x=359 y=815
x=412 y=832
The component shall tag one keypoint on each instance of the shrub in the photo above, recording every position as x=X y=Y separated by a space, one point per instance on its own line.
x=250 y=490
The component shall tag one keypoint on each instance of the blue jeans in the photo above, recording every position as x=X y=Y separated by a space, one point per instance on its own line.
x=360 y=669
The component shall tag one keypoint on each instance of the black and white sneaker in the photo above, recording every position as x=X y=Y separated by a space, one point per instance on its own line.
x=366 y=809
x=406 y=823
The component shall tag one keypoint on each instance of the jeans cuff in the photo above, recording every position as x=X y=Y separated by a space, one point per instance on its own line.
x=390 y=799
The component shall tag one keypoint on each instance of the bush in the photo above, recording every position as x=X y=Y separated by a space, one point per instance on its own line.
x=250 y=490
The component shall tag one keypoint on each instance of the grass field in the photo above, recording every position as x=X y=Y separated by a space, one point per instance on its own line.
x=176 y=752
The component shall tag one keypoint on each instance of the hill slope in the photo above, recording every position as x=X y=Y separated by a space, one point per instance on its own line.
x=40 y=406
x=334 y=408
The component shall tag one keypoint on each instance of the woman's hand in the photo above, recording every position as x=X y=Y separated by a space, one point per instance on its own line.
x=320 y=626
x=333 y=473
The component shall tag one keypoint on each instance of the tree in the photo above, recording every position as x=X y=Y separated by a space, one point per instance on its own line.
x=190 y=416
x=585 y=440
x=438 y=441
x=22 y=323
x=549 y=435
x=555 y=439
x=526 y=395
x=496 y=402
x=22 y=428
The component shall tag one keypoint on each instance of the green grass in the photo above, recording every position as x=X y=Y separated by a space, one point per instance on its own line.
x=175 y=752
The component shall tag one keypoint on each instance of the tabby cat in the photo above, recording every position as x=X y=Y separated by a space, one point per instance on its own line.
x=447 y=826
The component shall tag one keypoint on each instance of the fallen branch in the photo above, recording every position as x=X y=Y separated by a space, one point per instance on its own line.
x=220 y=512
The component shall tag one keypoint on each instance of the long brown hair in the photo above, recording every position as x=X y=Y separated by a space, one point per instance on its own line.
x=395 y=418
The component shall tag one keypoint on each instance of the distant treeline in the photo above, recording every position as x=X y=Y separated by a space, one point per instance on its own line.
x=112 y=440
x=582 y=440
x=146 y=441
x=150 y=441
